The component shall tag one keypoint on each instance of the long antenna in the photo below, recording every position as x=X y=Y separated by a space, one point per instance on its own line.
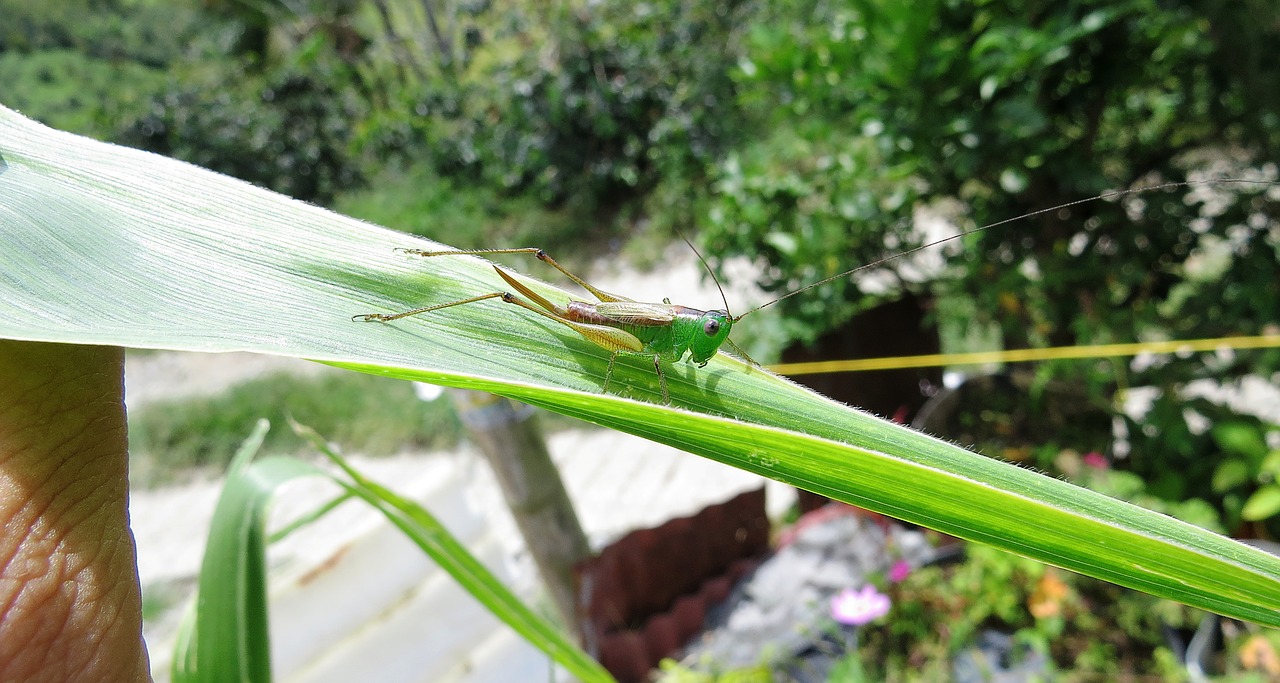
x=1106 y=195
x=714 y=279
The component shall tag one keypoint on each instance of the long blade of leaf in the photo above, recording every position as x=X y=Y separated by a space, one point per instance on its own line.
x=446 y=551
x=230 y=639
x=107 y=245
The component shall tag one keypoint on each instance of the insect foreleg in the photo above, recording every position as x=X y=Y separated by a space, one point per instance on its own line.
x=737 y=351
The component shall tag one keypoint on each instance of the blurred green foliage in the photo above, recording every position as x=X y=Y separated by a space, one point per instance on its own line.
x=584 y=104
x=146 y=33
x=1248 y=474
x=73 y=64
x=174 y=78
x=67 y=88
x=418 y=200
x=364 y=414
x=803 y=134
x=863 y=108
x=858 y=113
x=289 y=128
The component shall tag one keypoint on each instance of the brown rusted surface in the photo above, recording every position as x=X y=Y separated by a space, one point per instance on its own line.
x=643 y=597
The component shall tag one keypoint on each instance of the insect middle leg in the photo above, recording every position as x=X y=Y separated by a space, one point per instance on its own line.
x=662 y=379
x=657 y=366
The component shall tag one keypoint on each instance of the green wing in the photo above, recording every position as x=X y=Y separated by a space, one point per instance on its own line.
x=637 y=313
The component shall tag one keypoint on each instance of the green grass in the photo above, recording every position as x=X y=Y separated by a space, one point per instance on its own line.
x=362 y=413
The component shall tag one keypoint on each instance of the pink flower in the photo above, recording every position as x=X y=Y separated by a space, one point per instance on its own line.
x=1095 y=460
x=857 y=607
x=899 y=571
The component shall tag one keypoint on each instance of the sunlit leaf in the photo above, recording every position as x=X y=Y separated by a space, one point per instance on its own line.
x=104 y=245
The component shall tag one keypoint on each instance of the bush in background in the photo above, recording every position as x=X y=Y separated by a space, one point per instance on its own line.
x=860 y=110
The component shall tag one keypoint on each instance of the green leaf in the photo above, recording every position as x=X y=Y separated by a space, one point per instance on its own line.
x=105 y=245
x=1240 y=438
x=446 y=551
x=1263 y=504
x=229 y=640
x=1230 y=474
x=1269 y=468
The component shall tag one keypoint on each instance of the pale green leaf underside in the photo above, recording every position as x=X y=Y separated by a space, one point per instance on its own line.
x=105 y=245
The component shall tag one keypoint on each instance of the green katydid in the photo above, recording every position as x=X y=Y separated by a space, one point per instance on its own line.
x=666 y=331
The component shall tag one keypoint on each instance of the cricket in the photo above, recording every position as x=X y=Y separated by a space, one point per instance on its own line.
x=668 y=332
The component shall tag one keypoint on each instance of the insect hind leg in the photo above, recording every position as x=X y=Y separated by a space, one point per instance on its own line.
x=388 y=317
x=537 y=253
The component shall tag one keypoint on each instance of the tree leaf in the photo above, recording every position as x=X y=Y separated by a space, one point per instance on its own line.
x=1263 y=504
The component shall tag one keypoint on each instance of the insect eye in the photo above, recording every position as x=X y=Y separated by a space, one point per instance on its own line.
x=711 y=327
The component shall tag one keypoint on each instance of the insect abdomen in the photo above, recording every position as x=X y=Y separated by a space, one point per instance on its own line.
x=583 y=312
x=655 y=338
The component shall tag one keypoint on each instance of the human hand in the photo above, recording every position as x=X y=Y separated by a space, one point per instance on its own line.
x=70 y=602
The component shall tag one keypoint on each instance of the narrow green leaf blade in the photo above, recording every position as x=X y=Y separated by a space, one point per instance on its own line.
x=444 y=549
x=230 y=640
x=106 y=245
